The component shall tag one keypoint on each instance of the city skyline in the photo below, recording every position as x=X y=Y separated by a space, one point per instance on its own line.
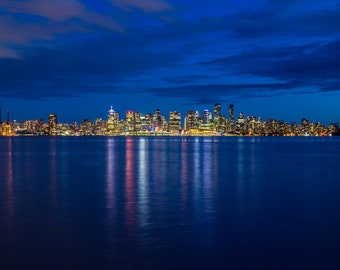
x=193 y=123
x=274 y=59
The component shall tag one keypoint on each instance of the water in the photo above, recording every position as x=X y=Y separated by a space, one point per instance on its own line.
x=169 y=203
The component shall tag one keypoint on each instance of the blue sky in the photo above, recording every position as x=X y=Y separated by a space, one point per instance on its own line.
x=275 y=59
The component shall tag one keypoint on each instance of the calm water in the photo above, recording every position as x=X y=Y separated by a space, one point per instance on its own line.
x=169 y=203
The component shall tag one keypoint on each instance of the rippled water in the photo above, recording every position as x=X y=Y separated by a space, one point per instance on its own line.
x=169 y=203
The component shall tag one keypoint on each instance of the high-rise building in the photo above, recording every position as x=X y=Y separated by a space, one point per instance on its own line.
x=111 y=122
x=175 y=122
x=7 y=129
x=231 y=112
x=191 y=120
x=146 y=122
x=130 y=121
x=157 y=120
x=137 y=121
x=52 y=124
x=217 y=110
x=207 y=117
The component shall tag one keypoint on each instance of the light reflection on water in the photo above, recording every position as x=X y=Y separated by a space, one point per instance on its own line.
x=143 y=201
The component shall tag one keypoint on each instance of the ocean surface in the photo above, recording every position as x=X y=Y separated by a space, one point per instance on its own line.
x=170 y=203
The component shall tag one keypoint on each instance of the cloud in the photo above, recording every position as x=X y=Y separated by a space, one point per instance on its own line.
x=213 y=92
x=198 y=56
x=145 y=5
x=58 y=10
x=8 y=53
x=26 y=21
x=314 y=63
x=187 y=79
x=94 y=65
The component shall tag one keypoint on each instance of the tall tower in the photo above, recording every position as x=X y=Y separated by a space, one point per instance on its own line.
x=110 y=125
x=231 y=112
x=130 y=121
x=157 y=119
x=217 y=110
x=52 y=123
x=7 y=130
x=137 y=121
x=175 y=122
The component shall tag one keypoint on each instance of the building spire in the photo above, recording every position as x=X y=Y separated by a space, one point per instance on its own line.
x=111 y=111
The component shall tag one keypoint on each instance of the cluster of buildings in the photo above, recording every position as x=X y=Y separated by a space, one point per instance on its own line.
x=194 y=123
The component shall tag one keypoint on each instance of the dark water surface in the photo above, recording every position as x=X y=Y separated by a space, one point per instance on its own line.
x=169 y=203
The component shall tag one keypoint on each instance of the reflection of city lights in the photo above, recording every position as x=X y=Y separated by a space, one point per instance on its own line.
x=10 y=189
x=109 y=173
x=143 y=183
x=129 y=183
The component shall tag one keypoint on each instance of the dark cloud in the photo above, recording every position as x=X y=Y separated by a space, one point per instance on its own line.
x=80 y=68
x=213 y=92
x=187 y=79
x=316 y=64
x=192 y=50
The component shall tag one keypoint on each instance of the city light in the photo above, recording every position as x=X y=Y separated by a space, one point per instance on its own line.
x=135 y=124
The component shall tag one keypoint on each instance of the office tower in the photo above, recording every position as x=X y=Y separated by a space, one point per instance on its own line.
x=191 y=120
x=217 y=110
x=86 y=128
x=137 y=121
x=52 y=124
x=7 y=129
x=231 y=112
x=157 y=120
x=207 y=116
x=111 y=123
x=130 y=121
x=147 y=125
x=175 y=122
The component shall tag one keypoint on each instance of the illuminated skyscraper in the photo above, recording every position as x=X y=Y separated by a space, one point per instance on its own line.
x=231 y=112
x=157 y=120
x=217 y=110
x=137 y=121
x=7 y=129
x=207 y=116
x=175 y=122
x=130 y=122
x=147 y=122
x=111 y=122
x=52 y=123
x=191 y=120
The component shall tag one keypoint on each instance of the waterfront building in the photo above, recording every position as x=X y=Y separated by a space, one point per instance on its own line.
x=157 y=120
x=206 y=124
x=52 y=124
x=6 y=128
x=191 y=120
x=86 y=128
x=231 y=113
x=111 y=123
x=175 y=122
x=130 y=121
x=137 y=121
x=217 y=110
x=147 y=122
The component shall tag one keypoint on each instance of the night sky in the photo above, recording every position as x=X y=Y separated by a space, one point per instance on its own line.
x=75 y=58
